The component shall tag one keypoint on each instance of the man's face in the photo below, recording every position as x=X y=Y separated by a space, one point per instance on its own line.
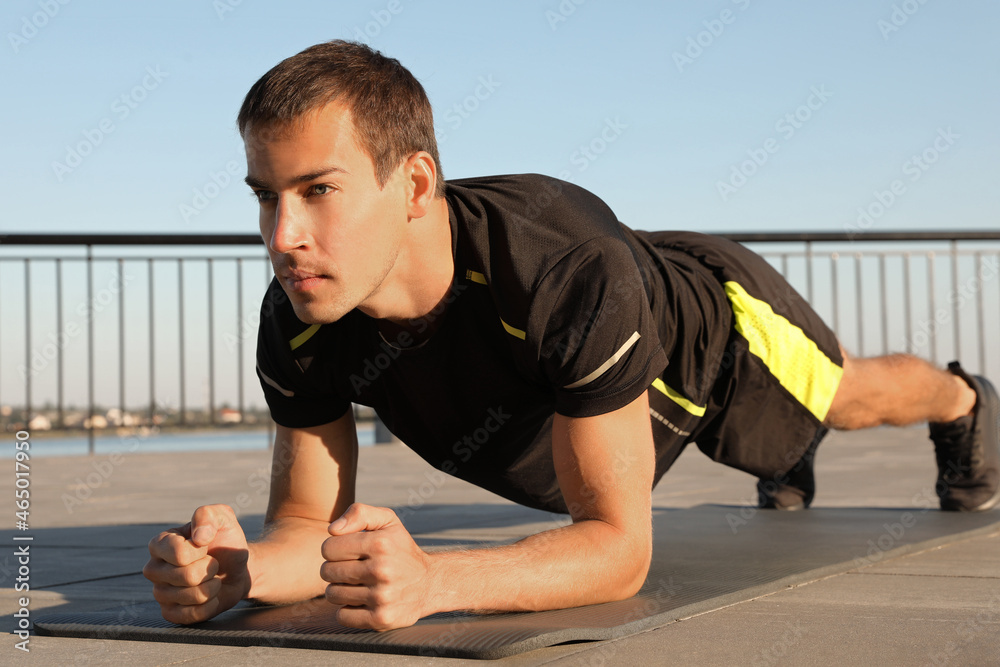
x=333 y=235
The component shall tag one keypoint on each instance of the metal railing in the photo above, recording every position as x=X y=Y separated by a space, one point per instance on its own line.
x=910 y=291
x=40 y=351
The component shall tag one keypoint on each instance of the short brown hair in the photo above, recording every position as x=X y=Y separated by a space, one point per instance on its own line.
x=392 y=115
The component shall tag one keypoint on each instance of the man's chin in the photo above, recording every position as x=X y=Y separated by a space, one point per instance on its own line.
x=314 y=313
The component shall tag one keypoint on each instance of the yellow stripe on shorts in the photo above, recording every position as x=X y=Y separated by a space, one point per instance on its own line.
x=696 y=410
x=792 y=357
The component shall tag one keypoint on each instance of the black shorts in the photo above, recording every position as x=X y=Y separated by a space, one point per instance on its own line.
x=774 y=380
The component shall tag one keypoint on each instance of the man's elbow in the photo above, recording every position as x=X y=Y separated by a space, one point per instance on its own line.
x=632 y=569
x=640 y=572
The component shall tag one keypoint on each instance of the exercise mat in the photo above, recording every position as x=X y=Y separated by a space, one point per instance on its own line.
x=704 y=558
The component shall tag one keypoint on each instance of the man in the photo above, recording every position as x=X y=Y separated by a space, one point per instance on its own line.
x=515 y=334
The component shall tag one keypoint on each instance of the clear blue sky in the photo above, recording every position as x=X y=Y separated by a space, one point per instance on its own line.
x=682 y=125
x=712 y=116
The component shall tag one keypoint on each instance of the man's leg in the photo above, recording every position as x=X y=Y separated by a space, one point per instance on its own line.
x=963 y=411
x=898 y=390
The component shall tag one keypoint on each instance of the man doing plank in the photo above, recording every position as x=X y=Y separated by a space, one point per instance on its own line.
x=515 y=334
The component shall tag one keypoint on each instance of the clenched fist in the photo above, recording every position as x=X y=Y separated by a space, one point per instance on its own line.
x=199 y=570
x=376 y=573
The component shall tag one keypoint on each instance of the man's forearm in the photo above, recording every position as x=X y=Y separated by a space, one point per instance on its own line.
x=284 y=562
x=584 y=563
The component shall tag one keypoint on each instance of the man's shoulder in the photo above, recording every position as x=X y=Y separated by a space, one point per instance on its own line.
x=530 y=195
x=529 y=217
x=524 y=237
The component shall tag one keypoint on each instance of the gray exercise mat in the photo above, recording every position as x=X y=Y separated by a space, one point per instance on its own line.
x=704 y=558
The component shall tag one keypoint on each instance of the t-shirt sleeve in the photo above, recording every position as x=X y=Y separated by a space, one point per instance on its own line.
x=599 y=348
x=290 y=366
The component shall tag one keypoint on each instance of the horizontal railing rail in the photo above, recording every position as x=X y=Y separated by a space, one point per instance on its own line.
x=255 y=239
x=129 y=239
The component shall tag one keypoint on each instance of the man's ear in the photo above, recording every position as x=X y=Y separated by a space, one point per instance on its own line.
x=421 y=175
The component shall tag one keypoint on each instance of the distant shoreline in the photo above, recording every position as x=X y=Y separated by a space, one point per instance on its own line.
x=125 y=432
x=145 y=431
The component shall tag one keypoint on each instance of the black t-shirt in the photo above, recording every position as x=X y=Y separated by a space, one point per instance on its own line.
x=555 y=307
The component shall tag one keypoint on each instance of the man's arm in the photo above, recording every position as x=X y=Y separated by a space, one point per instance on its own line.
x=605 y=466
x=313 y=474
x=205 y=567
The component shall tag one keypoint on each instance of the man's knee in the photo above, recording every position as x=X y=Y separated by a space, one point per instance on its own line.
x=852 y=407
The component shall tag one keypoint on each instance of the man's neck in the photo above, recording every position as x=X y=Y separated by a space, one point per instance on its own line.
x=421 y=278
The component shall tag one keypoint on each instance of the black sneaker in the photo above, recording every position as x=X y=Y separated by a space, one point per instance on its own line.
x=795 y=489
x=968 y=451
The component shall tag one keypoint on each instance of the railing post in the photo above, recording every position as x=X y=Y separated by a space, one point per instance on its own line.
x=60 y=347
x=980 y=313
x=956 y=330
x=835 y=292
x=885 y=303
x=180 y=335
x=858 y=306
x=932 y=306
x=152 y=348
x=211 y=345
x=27 y=342
x=907 y=315
x=809 y=271
x=121 y=341
x=90 y=349
x=239 y=334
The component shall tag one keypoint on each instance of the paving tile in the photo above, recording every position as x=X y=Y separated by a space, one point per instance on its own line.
x=971 y=558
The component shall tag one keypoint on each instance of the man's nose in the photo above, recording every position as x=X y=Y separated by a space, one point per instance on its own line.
x=289 y=228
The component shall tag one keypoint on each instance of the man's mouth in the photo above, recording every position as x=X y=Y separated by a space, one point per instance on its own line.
x=302 y=281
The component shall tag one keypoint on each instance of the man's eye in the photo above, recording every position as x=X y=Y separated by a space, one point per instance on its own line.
x=321 y=189
x=263 y=195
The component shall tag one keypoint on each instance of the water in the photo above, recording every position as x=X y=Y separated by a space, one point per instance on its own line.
x=205 y=441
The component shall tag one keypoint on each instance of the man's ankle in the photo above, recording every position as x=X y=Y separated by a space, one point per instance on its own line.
x=965 y=402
